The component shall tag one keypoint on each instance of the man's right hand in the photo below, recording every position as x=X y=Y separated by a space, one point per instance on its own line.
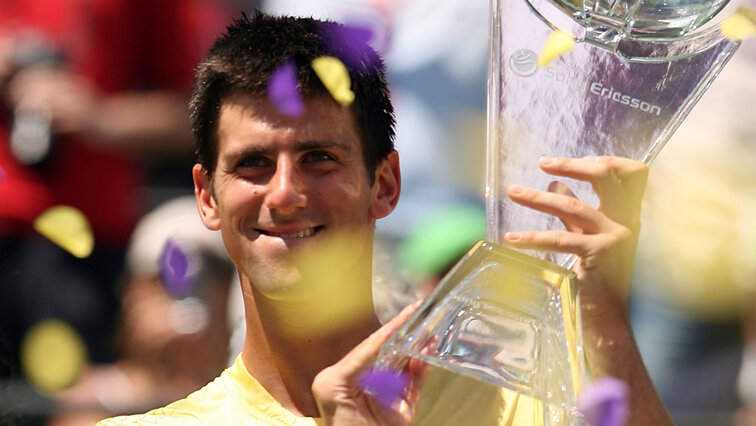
x=342 y=400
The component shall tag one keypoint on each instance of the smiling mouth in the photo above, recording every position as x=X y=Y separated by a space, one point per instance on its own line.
x=301 y=234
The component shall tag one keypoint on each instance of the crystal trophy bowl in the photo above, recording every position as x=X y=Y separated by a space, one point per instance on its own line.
x=502 y=331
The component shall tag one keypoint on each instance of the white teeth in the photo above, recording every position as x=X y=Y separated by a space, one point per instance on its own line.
x=300 y=234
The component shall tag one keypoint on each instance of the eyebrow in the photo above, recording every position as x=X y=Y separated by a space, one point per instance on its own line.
x=310 y=145
x=301 y=147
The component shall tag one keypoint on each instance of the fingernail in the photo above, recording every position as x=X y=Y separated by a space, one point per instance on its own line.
x=516 y=189
x=512 y=236
x=546 y=160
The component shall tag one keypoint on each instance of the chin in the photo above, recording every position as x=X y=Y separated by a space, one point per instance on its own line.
x=277 y=281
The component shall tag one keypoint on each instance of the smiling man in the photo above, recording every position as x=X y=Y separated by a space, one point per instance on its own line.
x=296 y=199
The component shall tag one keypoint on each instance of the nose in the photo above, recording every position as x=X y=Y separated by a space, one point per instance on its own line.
x=286 y=190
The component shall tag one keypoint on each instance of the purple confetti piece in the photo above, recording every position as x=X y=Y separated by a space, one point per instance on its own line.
x=606 y=403
x=351 y=43
x=386 y=386
x=283 y=92
x=174 y=270
x=2 y=173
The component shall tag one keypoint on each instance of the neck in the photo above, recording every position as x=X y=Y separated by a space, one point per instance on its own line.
x=290 y=340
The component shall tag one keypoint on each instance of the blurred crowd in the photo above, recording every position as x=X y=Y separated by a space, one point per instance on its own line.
x=93 y=115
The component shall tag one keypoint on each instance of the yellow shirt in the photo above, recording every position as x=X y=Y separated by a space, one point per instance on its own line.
x=234 y=398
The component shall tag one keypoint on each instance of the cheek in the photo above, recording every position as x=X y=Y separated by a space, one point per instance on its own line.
x=349 y=198
x=242 y=200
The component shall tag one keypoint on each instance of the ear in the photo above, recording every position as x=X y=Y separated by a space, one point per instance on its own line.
x=203 y=191
x=387 y=186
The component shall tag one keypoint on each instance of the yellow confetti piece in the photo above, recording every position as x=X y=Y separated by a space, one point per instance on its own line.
x=740 y=26
x=53 y=355
x=329 y=301
x=335 y=78
x=68 y=228
x=558 y=43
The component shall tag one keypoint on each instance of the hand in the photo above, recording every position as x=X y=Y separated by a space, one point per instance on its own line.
x=70 y=99
x=6 y=60
x=342 y=401
x=604 y=239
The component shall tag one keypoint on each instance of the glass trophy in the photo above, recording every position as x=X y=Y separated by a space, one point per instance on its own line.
x=502 y=331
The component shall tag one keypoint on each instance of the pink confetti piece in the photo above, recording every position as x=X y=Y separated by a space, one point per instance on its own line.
x=386 y=386
x=606 y=403
x=283 y=92
x=174 y=270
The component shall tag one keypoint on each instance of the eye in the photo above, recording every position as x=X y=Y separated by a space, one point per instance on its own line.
x=253 y=161
x=318 y=156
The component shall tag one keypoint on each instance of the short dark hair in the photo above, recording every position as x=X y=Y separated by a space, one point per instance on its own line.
x=243 y=58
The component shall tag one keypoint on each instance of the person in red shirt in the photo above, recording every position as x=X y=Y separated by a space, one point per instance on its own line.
x=108 y=82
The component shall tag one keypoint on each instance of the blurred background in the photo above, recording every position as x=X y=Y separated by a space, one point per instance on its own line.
x=93 y=115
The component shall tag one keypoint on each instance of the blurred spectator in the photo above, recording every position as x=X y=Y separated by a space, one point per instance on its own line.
x=695 y=270
x=90 y=89
x=169 y=344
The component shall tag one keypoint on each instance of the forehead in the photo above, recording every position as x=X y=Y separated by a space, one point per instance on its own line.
x=253 y=120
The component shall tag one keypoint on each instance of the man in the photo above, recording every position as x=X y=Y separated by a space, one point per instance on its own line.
x=290 y=193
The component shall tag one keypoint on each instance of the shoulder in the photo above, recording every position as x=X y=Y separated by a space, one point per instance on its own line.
x=201 y=407
x=160 y=416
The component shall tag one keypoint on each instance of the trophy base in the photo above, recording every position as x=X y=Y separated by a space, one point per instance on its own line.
x=505 y=319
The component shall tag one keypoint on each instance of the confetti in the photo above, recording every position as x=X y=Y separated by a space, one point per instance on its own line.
x=606 y=403
x=352 y=42
x=740 y=26
x=558 y=43
x=283 y=92
x=335 y=78
x=325 y=305
x=386 y=386
x=53 y=355
x=2 y=173
x=174 y=270
x=68 y=228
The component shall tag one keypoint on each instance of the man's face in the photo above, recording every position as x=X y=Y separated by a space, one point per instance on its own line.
x=284 y=186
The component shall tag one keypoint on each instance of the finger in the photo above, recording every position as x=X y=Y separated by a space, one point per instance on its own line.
x=560 y=188
x=365 y=354
x=558 y=241
x=618 y=182
x=613 y=172
x=569 y=209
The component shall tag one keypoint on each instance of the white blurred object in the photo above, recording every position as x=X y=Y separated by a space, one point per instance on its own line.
x=453 y=33
x=178 y=220
x=31 y=135
x=354 y=12
x=747 y=375
x=188 y=316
